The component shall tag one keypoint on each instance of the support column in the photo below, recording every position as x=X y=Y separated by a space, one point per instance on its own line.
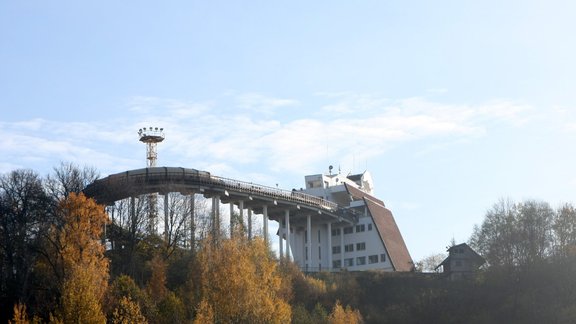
x=166 y=222
x=192 y=222
x=265 y=222
x=232 y=221
x=329 y=250
x=309 y=240
x=281 y=241
x=241 y=213
x=249 y=223
x=216 y=216
x=287 y=218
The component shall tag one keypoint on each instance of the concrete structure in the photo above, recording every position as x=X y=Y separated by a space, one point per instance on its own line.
x=334 y=224
x=462 y=262
x=373 y=242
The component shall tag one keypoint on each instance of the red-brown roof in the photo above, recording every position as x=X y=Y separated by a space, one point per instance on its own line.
x=388 y=230
x=390 y=235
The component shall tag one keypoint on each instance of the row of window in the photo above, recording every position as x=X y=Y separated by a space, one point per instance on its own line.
x=349 y=262
x=350 y=229
x=349 y=248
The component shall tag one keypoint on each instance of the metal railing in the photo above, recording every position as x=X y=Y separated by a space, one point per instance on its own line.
x=294 y=196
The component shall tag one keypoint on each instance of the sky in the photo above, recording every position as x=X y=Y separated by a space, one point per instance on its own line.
x=450 y=105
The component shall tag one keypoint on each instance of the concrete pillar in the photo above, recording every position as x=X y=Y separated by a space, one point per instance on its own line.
x=232 y=221
x=249 y=223
x=329 y=249
x=309 y=240
x=216 y=216
x=241 y=214
x=166 y=221
x=287 y=218
x=281 y=241
x=192 y=221
x=265 y=222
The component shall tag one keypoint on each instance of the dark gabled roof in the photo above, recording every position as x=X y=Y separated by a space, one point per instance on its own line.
x=473 y=254
x=387 y=229
x=359 y=194
x=355 y=177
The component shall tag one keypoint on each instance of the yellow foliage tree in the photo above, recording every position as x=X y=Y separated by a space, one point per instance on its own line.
x=341 y=315
x=157 y=285
x=240 y=282
x=128 y=312
x=84 y=264
x=20 y=316
x=204 y=313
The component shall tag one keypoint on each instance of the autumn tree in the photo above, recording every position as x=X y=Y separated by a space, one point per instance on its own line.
x=128 y=312
x=240 y=283
x=82 y=255
x=341 y=315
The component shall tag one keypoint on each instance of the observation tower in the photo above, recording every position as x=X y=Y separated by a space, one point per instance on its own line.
x=152 y=136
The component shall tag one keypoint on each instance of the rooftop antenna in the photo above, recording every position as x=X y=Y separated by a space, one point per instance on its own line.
x=151 y=136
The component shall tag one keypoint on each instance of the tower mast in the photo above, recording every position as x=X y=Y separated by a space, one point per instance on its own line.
x=151 y=136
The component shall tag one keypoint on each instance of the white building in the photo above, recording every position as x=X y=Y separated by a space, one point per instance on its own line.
x=373 y=243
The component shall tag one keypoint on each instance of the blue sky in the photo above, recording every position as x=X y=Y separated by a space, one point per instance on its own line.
x=451 y=105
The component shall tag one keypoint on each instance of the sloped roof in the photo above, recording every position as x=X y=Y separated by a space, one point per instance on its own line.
x=477 y=258
x=359 y=194
x=390 y=235
x=388 y=230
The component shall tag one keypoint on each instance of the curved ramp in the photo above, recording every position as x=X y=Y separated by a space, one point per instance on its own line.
x=164 y=180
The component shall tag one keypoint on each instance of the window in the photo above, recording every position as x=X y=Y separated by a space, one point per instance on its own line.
x=360 y=228
x=319 y=253
x=360 y=246
x=318 y=236
x=335 y=231
x=337 y=264
x=305 y=236
x=336 y=249
x=349 y=262
x=361 y=260
x=373 y=259
x=383 y=257
x=369 y=227
x=348 y=230
x=349 y=248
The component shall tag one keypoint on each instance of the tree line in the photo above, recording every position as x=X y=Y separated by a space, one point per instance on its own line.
x=66 y=259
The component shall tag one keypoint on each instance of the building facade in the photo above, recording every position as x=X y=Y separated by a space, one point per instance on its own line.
x=373 y=242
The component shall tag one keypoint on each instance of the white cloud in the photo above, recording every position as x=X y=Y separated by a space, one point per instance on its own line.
x=208 y=135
